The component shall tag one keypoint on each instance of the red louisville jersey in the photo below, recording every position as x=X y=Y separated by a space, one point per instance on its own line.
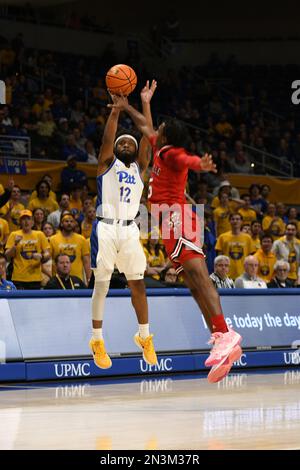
x=169 y=173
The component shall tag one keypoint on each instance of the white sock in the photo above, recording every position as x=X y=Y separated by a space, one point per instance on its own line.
x=97 y=333
x=144 y=330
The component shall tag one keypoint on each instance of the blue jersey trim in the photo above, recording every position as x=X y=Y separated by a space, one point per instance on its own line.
x=139 y=172
x=109 y=168
x=99 y=180
x=94 y=244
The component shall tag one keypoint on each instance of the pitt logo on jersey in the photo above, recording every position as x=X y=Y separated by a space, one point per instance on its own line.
x=124 y=177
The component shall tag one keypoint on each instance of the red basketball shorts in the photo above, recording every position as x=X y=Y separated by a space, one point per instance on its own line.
x=181 y=235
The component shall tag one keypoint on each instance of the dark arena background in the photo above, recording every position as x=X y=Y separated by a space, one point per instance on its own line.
x=231 y=74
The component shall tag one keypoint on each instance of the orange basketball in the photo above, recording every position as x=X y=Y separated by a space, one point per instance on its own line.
x=121 y=80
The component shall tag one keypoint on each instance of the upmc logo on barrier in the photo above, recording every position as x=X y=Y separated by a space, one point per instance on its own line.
x=70 y=369
x=163 y=365
x=242 y=362
x=292 y=358
x=2 y=93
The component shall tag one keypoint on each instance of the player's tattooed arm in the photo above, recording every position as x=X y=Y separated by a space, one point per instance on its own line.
x=106 y=154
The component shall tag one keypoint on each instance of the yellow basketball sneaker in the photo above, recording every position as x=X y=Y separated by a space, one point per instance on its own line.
x=101 y=358
x=147 y=346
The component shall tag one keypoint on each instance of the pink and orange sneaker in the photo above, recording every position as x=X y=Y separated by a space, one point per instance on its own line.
x=223 y=344
x=219 y=371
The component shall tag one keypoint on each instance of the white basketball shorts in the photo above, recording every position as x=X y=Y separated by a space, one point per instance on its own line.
x=116 y=244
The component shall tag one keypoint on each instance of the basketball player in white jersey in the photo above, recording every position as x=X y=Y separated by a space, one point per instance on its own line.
x=115 y=235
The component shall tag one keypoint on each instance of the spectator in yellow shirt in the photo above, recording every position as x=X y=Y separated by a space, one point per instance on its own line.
x=248 y=214
x=39 y=217
x=156 y=261
x=29 y=249
x=49 y=231
x=48 y=99
x=49 y=180
x=7 y=58
x=4 y=232
x=266 y=259
x=12 y=209
x=223 y=127
x=221 y=215
x=75 y=205
x=246 y=228
x=87 y=223
x=74 y=245
x=38 y=106
x=234 y=203
x=43 y=200
x=293 y=216
x=273 y=224
x=236 y=245
x=87 y=203
x=256 y=232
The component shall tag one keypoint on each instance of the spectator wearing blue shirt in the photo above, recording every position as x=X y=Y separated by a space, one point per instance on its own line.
x=71 y=176
x=4 y=284
x=259 y=204
x=71 y=149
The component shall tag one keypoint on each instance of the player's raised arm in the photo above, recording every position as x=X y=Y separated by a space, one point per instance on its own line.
x=106 y=154
x=145 y=152
x=121 y=104
x=180 y=161
x=146 y=96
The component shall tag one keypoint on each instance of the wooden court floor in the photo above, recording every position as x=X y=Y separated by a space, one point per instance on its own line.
x=244 y=411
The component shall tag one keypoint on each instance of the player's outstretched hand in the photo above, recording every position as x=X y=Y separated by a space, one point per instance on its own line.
x=207 y=164
x=147 y=92
x=119 y=102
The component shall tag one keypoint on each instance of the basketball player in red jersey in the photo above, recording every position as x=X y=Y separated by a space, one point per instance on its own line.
x=167 y=188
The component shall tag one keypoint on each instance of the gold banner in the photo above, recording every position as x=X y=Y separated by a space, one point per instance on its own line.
x=282 y=189
x=37 y=169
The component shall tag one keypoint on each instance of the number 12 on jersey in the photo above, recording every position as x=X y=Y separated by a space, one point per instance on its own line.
x=124 y=194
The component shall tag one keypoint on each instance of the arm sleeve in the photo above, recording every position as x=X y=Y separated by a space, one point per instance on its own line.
x=179 y=161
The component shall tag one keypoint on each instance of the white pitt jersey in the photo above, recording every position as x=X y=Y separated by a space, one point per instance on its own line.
x=119 y=191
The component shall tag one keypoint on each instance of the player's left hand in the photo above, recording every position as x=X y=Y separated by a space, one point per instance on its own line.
x=119 y=102
x=207 y=164
x=147 y=92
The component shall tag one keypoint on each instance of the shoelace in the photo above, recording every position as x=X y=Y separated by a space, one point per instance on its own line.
x=214 y=341
x=148 y=342
x=99 y=348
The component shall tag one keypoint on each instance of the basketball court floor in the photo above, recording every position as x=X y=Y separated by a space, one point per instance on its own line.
x=259 y=410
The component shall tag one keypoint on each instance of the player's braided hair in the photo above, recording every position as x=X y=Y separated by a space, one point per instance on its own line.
x=176 y=133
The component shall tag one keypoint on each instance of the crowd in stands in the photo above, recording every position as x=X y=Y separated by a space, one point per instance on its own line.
x=249 y=242
x=253 y=233
x=233 y=121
